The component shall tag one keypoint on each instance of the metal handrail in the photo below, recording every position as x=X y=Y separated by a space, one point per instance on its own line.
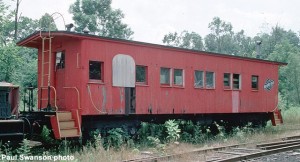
x=54 y=90
x=78 y=95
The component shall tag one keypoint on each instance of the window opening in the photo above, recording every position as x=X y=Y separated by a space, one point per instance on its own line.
x=236 y=81
x=210 y=79
x=254 y=82
x=227 y=80
x=95 y=70
x=178 y=77
x=141 y=72
x=165 y=76
x=60 y=60
x=198 y=79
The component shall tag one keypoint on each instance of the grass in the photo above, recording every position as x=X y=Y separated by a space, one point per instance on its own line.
x=291 y=115
x=98 y=150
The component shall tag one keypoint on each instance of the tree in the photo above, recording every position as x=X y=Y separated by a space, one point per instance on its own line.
x=9 y=62
x=289 y=77
x=244 y=45
x=184 y=40
x=99 y=18
x=276 y=37
x=221 y=37
x=16 y=19
x=47 y=23
x=26 y=26
x=5 y=23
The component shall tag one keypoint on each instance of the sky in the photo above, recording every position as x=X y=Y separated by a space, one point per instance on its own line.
x=152 y=19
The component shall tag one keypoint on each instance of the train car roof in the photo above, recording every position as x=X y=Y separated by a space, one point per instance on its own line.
x=7 y=85
x=34 y=41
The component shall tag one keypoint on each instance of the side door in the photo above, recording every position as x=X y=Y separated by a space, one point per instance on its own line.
x=60 y=79
x=124 y=76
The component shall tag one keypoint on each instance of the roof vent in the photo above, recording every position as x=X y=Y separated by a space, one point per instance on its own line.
x=258 y=44
x=86 y=30
x=69 y=26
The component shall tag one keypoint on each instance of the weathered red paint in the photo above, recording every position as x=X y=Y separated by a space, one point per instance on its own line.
x=160 y=99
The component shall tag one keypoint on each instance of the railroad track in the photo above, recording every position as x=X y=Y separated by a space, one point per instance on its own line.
x=230 y=153
x=241 y=153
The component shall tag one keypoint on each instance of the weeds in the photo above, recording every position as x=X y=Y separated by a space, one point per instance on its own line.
x=116 y=137
x=173 y=130
x=154 y=137
x=24 y=148
x=45 y=135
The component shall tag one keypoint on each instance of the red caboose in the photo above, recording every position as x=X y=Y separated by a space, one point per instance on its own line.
x=93 y=82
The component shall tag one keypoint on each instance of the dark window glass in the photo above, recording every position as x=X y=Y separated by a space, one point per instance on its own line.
x=210 y=79
x=227 y=80
x=178 y=77
x=141 y=72
x=254 y=82
x=236 y=81
x=60 y=60
x=198 y=79
x=165 y=76
x=95 y=70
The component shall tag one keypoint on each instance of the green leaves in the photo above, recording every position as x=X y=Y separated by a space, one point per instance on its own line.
x=173 y=130
x=99 y=18
x=189 y=40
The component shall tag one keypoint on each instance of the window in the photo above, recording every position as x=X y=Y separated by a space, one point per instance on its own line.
x=60 y=60
x=95 y=70
x=254 y=82
x=236 y=81
x=165 y=76
x=210 y=79
x=178 y=77
x=227 y=80
x=140 y=74
x=198 y=79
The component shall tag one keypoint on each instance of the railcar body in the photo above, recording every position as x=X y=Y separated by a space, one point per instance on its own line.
x=11 y=128
x=103 y=81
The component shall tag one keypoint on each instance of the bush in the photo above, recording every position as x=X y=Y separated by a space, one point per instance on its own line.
x=24 y=148
x=45 y=135
x=151 y=129
x=116 y=137
x=173 y=130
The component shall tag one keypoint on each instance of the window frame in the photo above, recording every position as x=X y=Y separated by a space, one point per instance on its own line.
x=145 y=75
x=101 y=71
x=182 y=75
x=62 y=60
x=202 y=85
x=257 y=83
x=239 y=80
x=227 y=87
x=170 y=78
x=214 y=80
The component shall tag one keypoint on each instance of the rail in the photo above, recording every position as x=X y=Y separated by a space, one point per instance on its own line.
x=54 y=90
x=78 y=95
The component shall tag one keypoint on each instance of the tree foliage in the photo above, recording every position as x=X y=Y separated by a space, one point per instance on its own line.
x=288 y=75
x=47 y=23
x=185 y=39
x=100 y=18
